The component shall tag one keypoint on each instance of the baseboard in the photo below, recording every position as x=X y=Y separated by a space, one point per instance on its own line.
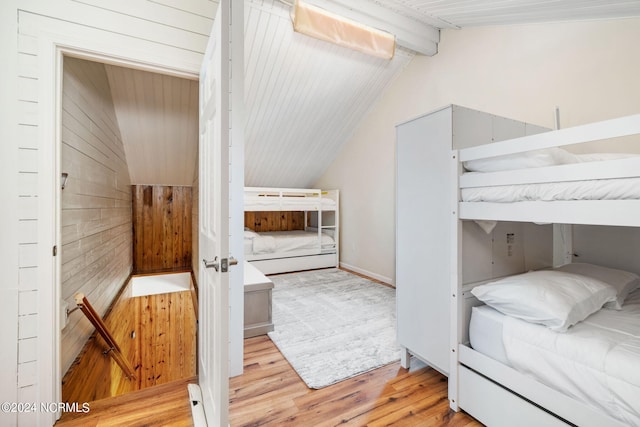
x=371 y=274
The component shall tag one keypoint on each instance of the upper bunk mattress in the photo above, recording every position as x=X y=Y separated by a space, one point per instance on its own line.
x=286 y=203
x=597 y=361
x=598 y=189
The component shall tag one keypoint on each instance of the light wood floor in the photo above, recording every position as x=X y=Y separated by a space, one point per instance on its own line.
x=270 y=393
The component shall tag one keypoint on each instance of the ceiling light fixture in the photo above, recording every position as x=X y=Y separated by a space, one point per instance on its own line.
x=321 y=24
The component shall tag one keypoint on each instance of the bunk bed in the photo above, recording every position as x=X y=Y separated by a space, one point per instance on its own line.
x=291 y=229
x=547 y=185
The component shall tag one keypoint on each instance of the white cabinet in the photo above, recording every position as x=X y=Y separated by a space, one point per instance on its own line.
x=423 y=247
x=424 y=210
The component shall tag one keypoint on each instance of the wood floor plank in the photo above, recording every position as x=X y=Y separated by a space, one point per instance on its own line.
x=157 y=333
x=163 y=405
x=389 y=395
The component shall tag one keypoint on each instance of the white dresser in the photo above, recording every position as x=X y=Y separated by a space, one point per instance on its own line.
x=257 y=302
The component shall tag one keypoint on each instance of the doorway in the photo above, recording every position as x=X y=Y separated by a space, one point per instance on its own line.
x=128 y=158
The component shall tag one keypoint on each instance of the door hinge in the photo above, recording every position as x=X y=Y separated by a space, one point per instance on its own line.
x=55 y=250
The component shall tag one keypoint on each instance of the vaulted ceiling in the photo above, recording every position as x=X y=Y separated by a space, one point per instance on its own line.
x=304 y=97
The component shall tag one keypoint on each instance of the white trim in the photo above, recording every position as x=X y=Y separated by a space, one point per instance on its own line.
x=9 y=263
x=368 y=273
x=52 y=47
x=197 y=408
x=614 y=128
x=49 y=97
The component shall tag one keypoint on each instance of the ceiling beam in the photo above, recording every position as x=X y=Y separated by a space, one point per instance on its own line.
x=410 y=33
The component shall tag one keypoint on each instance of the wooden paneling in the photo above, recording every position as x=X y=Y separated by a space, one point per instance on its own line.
x=274 y=221
x=157 y=334
x=96 y=242
x=162 y=228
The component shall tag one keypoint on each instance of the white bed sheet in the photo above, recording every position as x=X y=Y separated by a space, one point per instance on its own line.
x=599 y=189
x=286 y=241
x=597 y=361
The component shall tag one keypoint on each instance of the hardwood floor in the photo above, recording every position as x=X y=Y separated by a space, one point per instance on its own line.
x=270 y=393
x=157 y=333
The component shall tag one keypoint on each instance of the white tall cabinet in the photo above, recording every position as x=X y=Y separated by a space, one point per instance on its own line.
x=424 y=214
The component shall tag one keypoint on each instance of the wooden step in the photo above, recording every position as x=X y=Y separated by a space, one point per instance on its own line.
x=162 y=405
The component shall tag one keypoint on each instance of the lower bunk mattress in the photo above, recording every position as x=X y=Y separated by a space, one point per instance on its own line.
x=281 y=242
x=597 y=361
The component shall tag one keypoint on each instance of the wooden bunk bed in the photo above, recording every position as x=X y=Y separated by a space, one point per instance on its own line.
x=291 y=229
x=491 y=390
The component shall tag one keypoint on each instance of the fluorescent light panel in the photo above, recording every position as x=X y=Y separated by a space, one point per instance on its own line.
x=323 y=25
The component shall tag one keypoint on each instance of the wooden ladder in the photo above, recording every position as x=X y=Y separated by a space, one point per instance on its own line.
x=114 y=349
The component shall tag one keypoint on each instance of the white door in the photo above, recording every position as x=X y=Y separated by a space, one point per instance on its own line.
x=216 y=137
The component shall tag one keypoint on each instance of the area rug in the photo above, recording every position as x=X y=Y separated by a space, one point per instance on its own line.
x=332 y=325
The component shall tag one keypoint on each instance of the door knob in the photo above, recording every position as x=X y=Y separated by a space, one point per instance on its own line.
x=212 y=264
x=224 y=263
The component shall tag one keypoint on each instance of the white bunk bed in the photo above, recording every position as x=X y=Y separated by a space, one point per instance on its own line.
x=486 y=387
x=315 y=244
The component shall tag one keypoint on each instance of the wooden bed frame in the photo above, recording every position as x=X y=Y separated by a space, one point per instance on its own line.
x=492 y=392
x=282 y=209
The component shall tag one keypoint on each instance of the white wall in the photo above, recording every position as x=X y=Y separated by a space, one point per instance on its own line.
x=96 y=245
x=166 y=33
x=589 y=69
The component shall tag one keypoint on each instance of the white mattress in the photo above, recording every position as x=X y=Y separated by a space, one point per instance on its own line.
x=597 y=361
x=485 y=332
x=285 y=241
x=599 y=189
x=258 y=203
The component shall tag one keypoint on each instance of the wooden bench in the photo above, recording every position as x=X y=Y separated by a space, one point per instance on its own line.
x=257 y=302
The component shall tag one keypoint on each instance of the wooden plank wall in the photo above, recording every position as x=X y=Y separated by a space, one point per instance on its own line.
x=162 y=230
x=96 y=256
x=274 y=221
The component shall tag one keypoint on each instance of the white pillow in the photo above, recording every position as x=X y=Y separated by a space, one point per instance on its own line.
x=553 y=298
x=528 y=159
x=622 y=281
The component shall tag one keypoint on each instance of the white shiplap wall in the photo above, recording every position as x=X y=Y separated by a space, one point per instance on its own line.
x=158 y=118
x=96 y=217
x=303 y=97
x=170 y=33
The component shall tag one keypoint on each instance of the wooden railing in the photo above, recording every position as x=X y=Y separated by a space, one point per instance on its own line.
x=113 y=347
